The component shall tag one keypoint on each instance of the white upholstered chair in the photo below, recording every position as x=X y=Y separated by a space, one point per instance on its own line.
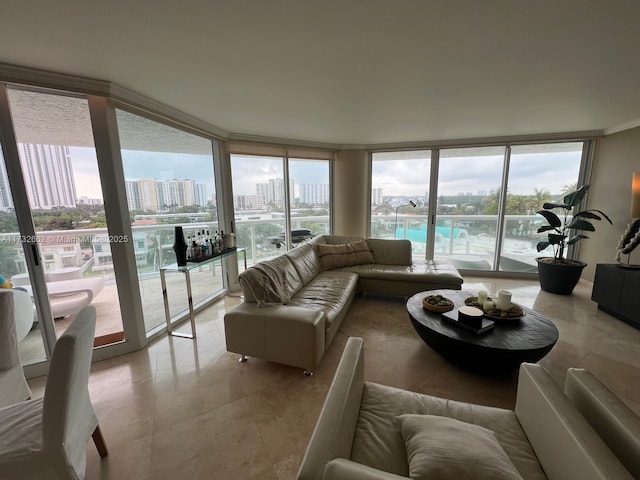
x=47 y=437
x=16 y=318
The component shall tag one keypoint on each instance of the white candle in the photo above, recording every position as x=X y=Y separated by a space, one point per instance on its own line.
x=487 y=305
x=504 y=300
x=482 y=297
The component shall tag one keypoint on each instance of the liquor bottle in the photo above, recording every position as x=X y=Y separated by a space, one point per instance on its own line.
x=189 y=248
x=180 y=247
x=221 y=241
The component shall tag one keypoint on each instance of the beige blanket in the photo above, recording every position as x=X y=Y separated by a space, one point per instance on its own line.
x=267 y=284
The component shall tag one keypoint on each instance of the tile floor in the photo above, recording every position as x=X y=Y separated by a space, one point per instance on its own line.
x=183 y=409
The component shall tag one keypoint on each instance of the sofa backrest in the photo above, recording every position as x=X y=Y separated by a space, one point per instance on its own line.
x=336 y=239
x=385 y=251
x=254 y=284
x=390 y=252
x=306 y=262
x=616 y=423
x=564 y=442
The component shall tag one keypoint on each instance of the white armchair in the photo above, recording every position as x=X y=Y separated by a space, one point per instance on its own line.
x=46 y=438
x=16 y=318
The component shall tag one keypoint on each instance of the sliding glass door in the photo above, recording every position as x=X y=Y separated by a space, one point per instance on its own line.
x=60 y=211
x=467 y=218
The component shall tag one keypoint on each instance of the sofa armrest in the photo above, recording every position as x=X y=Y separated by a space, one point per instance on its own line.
x=563 y=441
x=284 y=334
x=616 y=423
x=342 y=469
x=336 y=425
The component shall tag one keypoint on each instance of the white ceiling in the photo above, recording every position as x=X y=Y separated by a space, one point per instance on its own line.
x=351 y=71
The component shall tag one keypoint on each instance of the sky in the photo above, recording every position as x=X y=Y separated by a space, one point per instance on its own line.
x=478 y=174
x=138 y=165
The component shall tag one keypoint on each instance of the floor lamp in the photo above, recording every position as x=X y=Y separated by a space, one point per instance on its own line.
x=395 y=226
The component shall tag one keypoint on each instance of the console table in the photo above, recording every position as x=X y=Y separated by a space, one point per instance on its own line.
x=186 y=270
x=615 y=290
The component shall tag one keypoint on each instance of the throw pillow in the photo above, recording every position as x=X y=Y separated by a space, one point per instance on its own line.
x=345 y=255
x=443 y=448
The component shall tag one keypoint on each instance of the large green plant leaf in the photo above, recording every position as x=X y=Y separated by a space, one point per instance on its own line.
x=542 y=245
x=555 y=239
x=546 y=228
x=551 y=217
x=579 y=224
x=573 y=240
x=574 y=198
x=549 y=206
x=587 y=214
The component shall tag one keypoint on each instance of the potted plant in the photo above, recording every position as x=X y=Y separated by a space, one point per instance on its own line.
x=558 y=274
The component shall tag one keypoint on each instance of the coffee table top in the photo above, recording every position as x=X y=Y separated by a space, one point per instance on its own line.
x=532 y=332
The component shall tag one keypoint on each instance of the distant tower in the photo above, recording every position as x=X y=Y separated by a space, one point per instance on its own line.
x=6 y=202
x=48 y=173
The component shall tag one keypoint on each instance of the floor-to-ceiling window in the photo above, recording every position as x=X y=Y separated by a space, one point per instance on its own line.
x=271 y=192
x=169 y=182
x=537 y=174
x=400 y=196
x=310 y=195
x=483 y=200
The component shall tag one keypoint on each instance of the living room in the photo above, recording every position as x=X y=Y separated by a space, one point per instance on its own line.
x=187 y=407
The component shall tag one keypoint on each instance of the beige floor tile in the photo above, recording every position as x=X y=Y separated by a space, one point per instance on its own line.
x=186 y=409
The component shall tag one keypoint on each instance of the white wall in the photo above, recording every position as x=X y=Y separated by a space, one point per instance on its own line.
x=351 y=195
x=617 y=157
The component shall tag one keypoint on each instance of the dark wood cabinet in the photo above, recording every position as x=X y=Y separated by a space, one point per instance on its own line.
x=616 y=290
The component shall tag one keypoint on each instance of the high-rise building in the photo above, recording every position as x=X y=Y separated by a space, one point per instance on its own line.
x=248 y=202
x=314 y=193
x=49 y=175
x=376 y=196
x=6 y=201
x=273 y=191
x=164 y=195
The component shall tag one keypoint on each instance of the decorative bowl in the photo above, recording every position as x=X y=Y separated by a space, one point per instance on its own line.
x=437 y=303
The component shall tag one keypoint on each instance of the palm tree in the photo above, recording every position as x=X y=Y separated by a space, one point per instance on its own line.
x=542 y=196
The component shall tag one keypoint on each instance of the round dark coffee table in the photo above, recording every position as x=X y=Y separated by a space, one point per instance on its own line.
x=501 y=349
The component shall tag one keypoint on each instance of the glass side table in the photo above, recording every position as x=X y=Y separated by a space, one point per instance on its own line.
x=187 y=275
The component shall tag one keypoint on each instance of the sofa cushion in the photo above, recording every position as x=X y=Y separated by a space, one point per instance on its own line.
x=446 y=448
x=434 y=272
x=329 y=292
x=348 y=254
x=379 y=444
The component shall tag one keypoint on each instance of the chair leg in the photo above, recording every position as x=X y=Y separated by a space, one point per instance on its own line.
x=99 y=441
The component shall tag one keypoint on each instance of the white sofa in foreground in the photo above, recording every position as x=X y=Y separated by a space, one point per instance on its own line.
x=371 y=431
x=294 y=304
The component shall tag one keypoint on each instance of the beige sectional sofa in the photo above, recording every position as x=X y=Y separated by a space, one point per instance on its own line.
x=371 y=431
x=294 y=304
